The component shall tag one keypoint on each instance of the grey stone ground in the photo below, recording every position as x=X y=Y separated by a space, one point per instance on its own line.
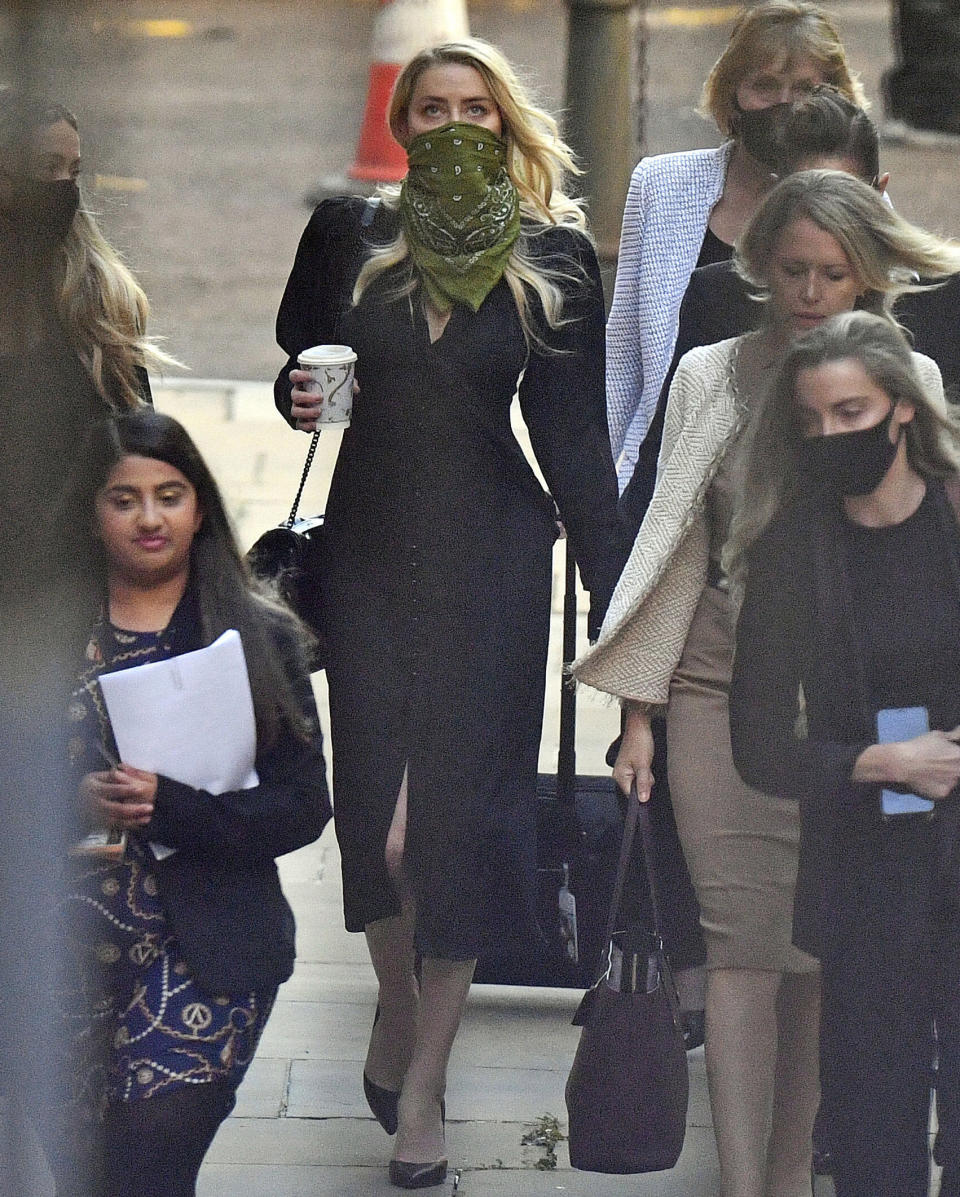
x=200 y=148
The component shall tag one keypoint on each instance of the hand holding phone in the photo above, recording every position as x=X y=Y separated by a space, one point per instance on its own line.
x=936 y=764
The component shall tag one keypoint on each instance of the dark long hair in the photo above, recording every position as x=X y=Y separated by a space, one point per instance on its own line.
x=227 y=596
x=825 y=124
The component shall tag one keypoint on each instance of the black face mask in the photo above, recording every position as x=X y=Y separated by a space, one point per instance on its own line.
x=44 y=211
x=760 y=132
x=849 y=463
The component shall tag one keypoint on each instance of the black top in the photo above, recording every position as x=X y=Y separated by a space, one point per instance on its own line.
x=448 y=451
x=713 y=249
x=905 y=615
x=799 y=633
x=49 y=403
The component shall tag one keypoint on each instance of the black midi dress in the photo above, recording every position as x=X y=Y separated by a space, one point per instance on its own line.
x=437 y=582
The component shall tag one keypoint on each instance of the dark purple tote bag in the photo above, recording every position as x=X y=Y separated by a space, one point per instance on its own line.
x=628 y=1088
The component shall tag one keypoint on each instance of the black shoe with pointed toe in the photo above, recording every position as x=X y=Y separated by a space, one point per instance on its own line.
x=693 y=1027
x=417 y=1176
x=383 y=1103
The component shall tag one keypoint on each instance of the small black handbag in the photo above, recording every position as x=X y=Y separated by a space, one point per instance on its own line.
x=290 y=558
x=628 y=1089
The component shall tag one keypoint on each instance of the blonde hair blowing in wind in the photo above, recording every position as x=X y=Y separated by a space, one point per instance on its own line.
x=772 y=479
x=100 y=305
x=538 y=161
x=103 y=310
x=886 y=252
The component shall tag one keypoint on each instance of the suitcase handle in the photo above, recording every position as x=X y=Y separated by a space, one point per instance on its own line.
x=567 y=754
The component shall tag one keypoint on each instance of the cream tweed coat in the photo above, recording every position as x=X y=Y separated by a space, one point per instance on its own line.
x=653 y=605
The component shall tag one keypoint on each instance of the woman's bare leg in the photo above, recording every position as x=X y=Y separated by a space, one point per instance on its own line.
x=414 y=1036
x=796 y=1086
x=390 y=943
x=444 y=986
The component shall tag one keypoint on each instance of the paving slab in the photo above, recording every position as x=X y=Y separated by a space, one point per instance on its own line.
x=263 y=1093
x=695 y=1174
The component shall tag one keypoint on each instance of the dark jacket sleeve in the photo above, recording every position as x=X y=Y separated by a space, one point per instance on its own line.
x=774 y=637
x=315 y=290
x=289 y=808
x=563 y=400
x=933 y=317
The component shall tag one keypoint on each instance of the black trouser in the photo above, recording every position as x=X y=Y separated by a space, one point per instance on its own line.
x=894 y=976
x=148 y=1148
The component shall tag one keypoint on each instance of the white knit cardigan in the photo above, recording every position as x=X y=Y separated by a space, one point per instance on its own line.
x=665 y=219
x=653 y=605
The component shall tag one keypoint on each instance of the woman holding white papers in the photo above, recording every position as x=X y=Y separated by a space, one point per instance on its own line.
x=173 y=958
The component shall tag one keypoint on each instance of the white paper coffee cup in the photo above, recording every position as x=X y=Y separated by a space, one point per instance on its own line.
x=331 y=367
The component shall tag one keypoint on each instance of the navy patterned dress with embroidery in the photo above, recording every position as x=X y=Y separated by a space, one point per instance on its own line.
x=151 y=1002
x=436 y=591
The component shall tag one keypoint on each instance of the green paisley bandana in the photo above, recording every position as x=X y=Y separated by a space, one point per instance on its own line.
x=460 y=212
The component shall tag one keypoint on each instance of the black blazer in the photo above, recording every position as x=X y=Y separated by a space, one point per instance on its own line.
x=717 y=305
x=795 y=630
x=220 y=889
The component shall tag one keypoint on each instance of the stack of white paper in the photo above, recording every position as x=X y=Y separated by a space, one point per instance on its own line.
x=189 y=718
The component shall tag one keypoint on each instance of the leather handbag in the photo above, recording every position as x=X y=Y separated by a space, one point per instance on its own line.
x=290 y=558
x=628 y=1089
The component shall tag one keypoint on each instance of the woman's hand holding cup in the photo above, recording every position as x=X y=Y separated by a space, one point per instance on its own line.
x=304 y=405
x=323 y=387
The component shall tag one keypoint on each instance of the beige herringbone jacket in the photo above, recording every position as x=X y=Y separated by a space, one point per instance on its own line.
x=652 y=607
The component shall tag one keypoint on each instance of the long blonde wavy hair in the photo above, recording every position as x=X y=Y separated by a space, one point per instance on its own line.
x=538 y=160
x=772 y=479
x=100 y=305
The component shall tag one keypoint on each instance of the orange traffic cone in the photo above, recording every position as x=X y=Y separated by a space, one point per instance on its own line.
x=402 y=29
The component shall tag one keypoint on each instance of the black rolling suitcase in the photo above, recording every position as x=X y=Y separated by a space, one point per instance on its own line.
x=579 y=828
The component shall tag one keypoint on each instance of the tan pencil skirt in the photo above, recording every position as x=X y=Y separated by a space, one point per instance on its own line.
x=741 y=846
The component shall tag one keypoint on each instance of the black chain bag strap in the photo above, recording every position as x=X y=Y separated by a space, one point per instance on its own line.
x=628 y=1089
x=290 y=558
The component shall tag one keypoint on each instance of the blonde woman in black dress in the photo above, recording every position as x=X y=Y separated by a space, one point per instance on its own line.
x=476 y=276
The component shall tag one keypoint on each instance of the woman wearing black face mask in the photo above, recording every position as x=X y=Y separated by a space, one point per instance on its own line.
x=687 y=210
x=72 y=325
x=849 y=545
x=821 y=244
x=72 y=350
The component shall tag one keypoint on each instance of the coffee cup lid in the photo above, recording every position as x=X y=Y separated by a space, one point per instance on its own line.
x=327 y=355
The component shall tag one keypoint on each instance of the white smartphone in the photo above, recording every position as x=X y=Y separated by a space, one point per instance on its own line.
x=902 y=723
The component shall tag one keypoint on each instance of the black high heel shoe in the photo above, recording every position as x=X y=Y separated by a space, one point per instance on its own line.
x=693 y=1028
x=417 y=1176
x=405 y=1175
x=382 y=1102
